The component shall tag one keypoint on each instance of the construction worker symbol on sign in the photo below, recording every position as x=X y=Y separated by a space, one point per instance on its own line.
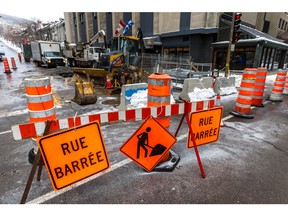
x=149 y=144
x=143 y=142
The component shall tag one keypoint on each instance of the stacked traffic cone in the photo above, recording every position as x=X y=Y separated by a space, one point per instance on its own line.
x=277 y=91
x=245 y=94
x=285 y=91
x=257 y=98
x=19 y=57
x=13 y=63
x=6 y=65
x=218 y=103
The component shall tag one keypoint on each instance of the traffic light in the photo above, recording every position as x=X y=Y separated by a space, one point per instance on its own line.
x=236 y=29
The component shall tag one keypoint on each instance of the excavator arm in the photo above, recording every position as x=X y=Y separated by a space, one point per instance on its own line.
x=99 y=34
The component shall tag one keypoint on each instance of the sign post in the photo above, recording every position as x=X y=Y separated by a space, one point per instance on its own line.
x=34 y=167
x=191 y=134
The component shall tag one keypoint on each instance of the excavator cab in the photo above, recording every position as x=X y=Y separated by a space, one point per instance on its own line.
x=119 y=66
x=122 y=63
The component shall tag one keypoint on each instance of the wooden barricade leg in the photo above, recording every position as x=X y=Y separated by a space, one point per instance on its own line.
x=186 y=114
x=36 y=163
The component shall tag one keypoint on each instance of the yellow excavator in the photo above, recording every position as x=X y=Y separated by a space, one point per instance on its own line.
x=122 y=65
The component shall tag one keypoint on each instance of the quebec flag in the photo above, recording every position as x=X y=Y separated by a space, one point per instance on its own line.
x=129 y=24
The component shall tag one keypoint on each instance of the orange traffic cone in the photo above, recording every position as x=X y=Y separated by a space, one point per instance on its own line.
x=19 y=57
x=277 y=91
x=108 y=84
x=6 y=65
x=285 y=90
x=218 y=103
x=13 y=63
x=245 y=94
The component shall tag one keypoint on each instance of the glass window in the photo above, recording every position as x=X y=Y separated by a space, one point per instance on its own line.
x=52 y=54
x=81 y=17
x=280 y=21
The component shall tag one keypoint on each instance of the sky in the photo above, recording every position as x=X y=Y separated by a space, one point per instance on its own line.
x=53 y=9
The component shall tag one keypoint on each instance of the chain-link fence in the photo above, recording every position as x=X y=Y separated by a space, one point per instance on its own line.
x=179 y=68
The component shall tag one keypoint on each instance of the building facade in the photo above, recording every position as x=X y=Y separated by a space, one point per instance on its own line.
x=177 y=33
x=200 y=36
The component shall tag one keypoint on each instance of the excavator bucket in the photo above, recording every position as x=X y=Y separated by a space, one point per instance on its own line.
x=85 y=92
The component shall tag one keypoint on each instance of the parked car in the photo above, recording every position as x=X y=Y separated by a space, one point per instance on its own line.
x=2 y=53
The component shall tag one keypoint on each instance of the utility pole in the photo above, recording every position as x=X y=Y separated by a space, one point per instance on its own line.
x=227 y=66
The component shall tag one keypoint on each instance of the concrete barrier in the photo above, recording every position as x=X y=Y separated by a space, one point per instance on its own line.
x=127 y=91
x=191 y=83
x=223 y=82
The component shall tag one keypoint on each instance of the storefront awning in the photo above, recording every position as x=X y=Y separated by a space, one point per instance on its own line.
x=258 y=37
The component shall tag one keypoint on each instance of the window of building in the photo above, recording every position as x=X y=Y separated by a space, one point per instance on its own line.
x=81 y=17
x=266 y=26
x=282 y=26
x=180 y=51
x=280 y=22
x=94 y=15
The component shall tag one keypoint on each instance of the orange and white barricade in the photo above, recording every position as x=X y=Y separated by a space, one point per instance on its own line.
x=40 y=104
x=277 y=90
x=159 y=94
x=245 y=94
x=285 y=90
x=261 y=75
x=40 y=99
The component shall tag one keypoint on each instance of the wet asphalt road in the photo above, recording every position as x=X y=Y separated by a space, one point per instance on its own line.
x=247 y=165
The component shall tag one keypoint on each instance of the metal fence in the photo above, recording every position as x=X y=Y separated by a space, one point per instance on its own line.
x=179 y=68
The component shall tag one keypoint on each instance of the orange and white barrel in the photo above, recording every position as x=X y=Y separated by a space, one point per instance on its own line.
x=159 y=94
x=277 y=90
x=285 y=90
x=39 y=99
x=245 y=94
x=261 y=75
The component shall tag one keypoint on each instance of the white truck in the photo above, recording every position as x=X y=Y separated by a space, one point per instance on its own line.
x=84 y=54
x=47 y=53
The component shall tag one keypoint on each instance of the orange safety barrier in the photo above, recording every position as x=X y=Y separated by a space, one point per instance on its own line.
x=159 y=94
x=245 y=94
x=277 y=91
x=285 y=90
x=13 y=63
x=6 y=65
x=261 y=75
x=39 y=99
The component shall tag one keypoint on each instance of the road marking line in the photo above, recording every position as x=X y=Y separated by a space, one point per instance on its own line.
x=53 y=194
x=4 y=132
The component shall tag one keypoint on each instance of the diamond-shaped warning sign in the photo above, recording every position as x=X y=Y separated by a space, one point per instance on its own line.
x=149 y=144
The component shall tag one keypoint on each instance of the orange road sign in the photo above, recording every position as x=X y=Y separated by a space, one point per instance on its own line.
x=205 y=125
x=149 y=144
x=73 y=155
